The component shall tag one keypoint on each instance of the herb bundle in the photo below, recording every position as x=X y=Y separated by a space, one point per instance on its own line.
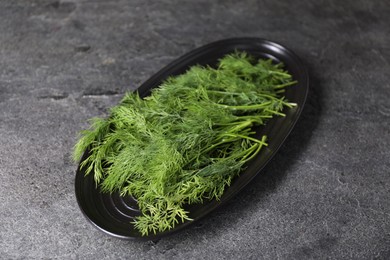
x=186 y=141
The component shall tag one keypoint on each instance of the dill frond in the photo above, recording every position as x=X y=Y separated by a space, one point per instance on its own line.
x=187 y=141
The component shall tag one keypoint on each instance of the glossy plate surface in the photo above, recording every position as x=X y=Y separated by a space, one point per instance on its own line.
x=113 y=214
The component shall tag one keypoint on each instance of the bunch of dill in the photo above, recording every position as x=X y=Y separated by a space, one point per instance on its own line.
x=186 y=141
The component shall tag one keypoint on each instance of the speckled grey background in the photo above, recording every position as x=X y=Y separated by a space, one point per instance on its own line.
x=325 y=194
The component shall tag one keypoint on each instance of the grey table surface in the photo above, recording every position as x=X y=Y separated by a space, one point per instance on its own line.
x=324 y=195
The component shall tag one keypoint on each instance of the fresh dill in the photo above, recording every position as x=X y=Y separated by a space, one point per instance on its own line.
x=186 y=141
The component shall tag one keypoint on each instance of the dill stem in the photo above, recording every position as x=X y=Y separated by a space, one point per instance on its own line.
x=223 y=92
x=241 y=125
x=280 y=86
x=275 y=112
x=286 y=75
x=240 y=119
x=259 y=146
x=255 y=119
x=247 y=137
x=246 y=107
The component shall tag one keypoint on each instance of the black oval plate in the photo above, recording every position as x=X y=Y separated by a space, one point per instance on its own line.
x=113 y=214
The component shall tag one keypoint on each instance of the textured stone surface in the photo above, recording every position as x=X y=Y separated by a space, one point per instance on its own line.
x=325 y=194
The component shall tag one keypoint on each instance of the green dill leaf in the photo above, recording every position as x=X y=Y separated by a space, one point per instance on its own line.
x=187 y=140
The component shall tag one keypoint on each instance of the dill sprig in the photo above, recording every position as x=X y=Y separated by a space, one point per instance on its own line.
x=186 y=141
